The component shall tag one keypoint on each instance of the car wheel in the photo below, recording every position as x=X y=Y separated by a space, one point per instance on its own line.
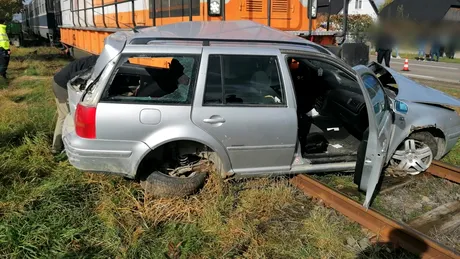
x=163 y=185
x=415 y=154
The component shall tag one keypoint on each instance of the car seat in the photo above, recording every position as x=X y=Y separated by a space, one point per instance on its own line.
x=262 y=82
x=148 y=87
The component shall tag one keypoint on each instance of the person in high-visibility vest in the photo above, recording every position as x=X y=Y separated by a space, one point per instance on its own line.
x=5 y=51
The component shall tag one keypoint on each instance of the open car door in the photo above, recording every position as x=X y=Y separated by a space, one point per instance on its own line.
x=373 y=150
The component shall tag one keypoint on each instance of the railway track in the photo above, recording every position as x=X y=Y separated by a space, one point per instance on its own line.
x=411 y=236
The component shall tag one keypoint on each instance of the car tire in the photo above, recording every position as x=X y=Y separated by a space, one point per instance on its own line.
x=161 y=185
x=418 y=139
x=428 y=139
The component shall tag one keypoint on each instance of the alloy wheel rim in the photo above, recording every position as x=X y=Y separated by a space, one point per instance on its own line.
x=413 y=157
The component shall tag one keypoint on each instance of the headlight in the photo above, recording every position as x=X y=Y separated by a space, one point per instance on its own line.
x=214 y=7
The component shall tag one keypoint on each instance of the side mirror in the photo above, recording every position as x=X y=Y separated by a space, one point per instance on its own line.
x=401 y=107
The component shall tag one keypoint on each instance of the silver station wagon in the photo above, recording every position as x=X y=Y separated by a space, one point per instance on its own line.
x=163 y=103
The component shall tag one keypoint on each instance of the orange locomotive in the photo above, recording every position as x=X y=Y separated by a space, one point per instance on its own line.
x=86 y=23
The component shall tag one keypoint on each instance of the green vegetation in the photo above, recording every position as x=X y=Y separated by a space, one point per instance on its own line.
x=50 y=210
x=414 y=56
x=9 y=7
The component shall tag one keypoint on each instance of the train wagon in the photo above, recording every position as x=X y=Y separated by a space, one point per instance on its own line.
x=86 y=23
x=40 y=20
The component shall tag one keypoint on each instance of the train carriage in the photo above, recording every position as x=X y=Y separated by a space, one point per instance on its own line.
x=40 y=19
x=86 y=23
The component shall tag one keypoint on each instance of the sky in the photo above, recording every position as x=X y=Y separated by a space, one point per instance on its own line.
x=379 y=2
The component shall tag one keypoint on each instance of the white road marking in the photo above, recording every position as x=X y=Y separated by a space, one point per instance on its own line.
x=430 y=78
x=420 y=65
x=415 y=75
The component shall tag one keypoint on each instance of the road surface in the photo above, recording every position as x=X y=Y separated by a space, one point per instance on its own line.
x=428 y=70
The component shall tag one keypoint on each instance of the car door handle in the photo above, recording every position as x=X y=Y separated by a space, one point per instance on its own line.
x=214 y=120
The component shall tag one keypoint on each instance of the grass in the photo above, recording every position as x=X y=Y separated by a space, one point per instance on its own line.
x=50 y=210
x=441 y=59
x=413 y=56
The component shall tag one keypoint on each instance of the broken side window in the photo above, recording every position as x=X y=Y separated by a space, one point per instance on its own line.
x=154 y=79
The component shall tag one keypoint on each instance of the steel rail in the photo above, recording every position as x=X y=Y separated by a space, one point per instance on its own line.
x=443 y=170
x=387 y=230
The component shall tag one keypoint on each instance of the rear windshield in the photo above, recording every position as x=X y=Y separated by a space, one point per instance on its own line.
x=154 y=79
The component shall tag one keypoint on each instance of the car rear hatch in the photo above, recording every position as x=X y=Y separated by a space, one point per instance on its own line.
x=77 y=86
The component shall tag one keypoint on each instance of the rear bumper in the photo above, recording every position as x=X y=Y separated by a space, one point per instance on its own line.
x=108 y=156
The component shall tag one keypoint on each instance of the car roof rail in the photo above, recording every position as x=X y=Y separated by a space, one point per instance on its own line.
x=206 y=41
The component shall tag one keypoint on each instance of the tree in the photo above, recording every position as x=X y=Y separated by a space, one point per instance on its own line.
x=387 y=2
x=9 y=7
x=359 y=25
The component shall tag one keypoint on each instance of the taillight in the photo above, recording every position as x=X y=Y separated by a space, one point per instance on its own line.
x=85 y=121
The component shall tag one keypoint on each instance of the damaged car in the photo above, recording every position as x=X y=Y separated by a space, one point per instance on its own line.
x=168 y=104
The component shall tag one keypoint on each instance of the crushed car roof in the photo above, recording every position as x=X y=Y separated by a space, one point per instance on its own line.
x=243 y=30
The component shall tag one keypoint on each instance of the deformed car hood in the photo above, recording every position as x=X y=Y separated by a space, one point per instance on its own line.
x=412 y=91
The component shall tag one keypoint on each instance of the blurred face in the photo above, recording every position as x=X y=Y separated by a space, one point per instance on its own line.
x=293 y=65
